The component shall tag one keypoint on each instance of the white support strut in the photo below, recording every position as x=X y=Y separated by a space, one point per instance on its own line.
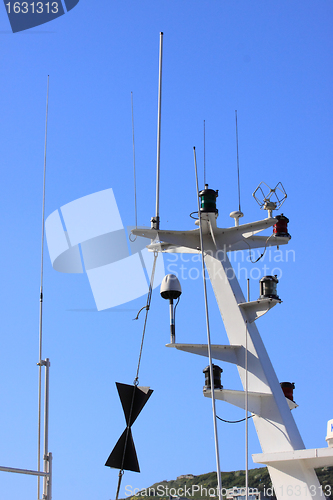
x=292 y=472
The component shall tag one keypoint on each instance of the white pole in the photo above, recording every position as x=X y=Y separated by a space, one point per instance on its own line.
x=46 y=425
x=41 y=299
x=246 y=420
x=49 y=479
x=219 y=482
x=246 y=406
x=156 y=222
x=23 y=471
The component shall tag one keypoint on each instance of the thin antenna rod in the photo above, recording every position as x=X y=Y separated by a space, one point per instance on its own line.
x=156 y=222
x=135 y=204
x=41 y=298
x=246 y=417
x=219 y=482
x=239 y=202
x=204 y=152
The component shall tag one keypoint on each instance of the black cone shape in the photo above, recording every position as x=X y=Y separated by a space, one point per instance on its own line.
x=126 y=397
x=127 y=460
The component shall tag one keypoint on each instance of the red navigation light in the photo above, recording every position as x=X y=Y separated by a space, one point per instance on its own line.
x=281 y=227
x=288 y=389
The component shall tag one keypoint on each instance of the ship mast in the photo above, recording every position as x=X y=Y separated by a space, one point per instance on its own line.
x=290 y=465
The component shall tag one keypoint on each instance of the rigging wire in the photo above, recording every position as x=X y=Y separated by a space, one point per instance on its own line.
x=239 y=201
x=156 y=224
x=218 y=470
x=41 y=298
x=149 y=296
x=136 y=380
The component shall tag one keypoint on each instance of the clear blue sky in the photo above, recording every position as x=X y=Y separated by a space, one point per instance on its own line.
x=270 y=60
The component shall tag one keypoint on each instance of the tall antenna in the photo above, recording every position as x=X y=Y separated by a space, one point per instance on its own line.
x=239 y=202
x=135 y=204
x=155 y=222
x=40 y=364
x=204 y=138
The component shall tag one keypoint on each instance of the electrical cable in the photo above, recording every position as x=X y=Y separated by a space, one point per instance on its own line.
x=260 y=257
x=233 y=421
x=174 y=310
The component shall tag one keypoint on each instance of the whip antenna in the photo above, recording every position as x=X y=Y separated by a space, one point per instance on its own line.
x=40 y=364
x=155 y=221
x=135 y=204
x=204 y=138
x=239 y=202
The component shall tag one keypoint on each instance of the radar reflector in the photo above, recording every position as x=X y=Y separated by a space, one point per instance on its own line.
x=133 y=399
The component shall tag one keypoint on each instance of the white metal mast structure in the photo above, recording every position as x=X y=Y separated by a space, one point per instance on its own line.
x=290 y=465
x=46 y=473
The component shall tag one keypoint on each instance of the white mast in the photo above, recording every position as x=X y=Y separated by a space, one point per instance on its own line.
x=290 y=465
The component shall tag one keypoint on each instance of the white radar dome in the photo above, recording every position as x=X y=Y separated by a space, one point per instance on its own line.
x=170 y=287
x=329 y=437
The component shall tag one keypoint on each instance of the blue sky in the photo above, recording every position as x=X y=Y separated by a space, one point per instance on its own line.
x=270 y=60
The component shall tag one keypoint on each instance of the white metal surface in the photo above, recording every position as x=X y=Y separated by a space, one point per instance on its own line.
x=275 y=426
x=222 y=352
x=23 y=471
x=230 y=239
x=238 y=398
x=316 y=457
x=258 y=308
x=274 y=423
